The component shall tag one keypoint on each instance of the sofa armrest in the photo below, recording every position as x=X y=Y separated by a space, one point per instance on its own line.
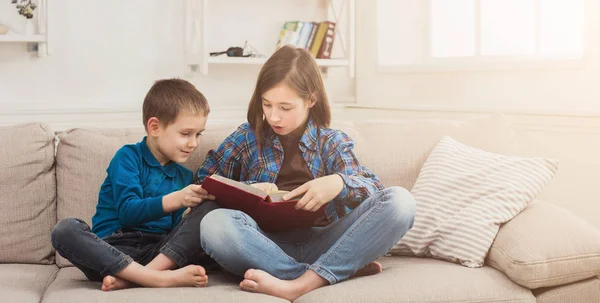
x=545 y=245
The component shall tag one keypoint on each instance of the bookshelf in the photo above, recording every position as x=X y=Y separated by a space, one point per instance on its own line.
x=197 y=38
x=40 y=41
x=239 y=60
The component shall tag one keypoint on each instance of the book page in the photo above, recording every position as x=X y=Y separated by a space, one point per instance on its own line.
x=277 y=196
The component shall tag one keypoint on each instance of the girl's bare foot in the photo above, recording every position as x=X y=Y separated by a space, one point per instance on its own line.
x=114 y=283
x=261 y=282
x=369 y=269
x=189 y=276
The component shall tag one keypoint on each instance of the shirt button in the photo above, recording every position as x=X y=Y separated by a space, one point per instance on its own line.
x=156 y=182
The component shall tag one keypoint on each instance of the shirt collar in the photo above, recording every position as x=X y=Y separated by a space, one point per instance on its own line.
x=169 y=169
x=308 y=139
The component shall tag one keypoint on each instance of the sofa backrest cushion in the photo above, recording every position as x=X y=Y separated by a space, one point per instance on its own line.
x=395 y=150
x=546 y=246
x=27 y=194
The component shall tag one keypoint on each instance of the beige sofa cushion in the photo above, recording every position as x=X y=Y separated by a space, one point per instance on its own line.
x=582 y=291
x=406 y=279
x=403 y=280
x=25 y=282
x=27 y=194
x=72 y=286
x=546 y=245
x=395 y=150
x=84 y=154
x=463 y=194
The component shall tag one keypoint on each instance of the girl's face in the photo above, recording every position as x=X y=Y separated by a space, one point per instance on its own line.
x=284 y=110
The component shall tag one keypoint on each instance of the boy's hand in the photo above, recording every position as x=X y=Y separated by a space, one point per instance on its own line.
x=193 y=195
x=317 y=192
x=190 y=196
x=265 y=186
x=187 y=211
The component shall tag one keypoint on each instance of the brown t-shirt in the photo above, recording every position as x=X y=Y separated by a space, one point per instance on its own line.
x=294 y=170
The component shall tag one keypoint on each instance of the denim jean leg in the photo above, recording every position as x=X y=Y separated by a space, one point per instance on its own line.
x=234 y=240
x=362 y=236
x=182 y=245
x=73 y=239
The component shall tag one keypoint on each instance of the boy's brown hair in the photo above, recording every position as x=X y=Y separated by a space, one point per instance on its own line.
x=300 y=72
x=169 y=97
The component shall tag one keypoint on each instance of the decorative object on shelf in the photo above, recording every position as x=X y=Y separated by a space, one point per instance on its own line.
x=236 y=51
x=3 y=29
x=26 y=8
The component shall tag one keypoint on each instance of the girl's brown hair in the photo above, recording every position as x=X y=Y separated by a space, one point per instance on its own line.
x=296 y=68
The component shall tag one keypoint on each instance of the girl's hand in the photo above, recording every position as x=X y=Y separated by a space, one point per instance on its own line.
x=265 y=186
x=317 y=192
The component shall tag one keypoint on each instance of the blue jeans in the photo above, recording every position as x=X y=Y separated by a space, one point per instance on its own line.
x=98 y=257
x=335 y=252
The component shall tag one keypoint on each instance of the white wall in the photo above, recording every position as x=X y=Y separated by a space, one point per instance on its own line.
x=572 y=89
x=106 y=55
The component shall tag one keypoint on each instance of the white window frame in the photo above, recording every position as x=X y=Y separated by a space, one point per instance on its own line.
x=480 y=62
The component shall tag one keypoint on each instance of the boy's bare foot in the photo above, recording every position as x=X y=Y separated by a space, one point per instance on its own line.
x=369 y=269
x=189 y=276
x=114 y=283
x=259 y=281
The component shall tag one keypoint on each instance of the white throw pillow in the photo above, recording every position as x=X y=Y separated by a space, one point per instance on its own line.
x=463 y=195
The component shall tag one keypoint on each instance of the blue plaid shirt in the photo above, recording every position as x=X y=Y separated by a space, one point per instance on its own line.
x=326 y=151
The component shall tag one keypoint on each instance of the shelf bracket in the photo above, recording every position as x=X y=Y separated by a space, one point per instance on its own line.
x=348 y=45
x=195 y=35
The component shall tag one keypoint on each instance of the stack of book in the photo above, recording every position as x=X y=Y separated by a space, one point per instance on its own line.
x=316 y=37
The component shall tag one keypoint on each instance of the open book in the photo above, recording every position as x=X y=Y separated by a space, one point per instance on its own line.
x=267 y=209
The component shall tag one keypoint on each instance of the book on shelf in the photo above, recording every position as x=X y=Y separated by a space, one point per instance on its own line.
x=327 y=41
x=316 y=37
x=288 y=34
x=269 y=210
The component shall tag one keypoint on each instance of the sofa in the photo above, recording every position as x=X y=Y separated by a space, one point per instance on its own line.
x=545 y=254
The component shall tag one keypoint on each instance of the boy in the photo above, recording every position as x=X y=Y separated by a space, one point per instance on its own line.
x=138 y=217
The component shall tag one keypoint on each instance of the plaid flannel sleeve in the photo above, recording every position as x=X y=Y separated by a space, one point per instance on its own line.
x=359 y=181
x=225 y=160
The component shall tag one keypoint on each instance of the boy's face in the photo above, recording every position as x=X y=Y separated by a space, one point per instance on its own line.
x=284 y=110
x=176 y=141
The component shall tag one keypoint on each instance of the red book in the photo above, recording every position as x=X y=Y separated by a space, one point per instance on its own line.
x=268 y=210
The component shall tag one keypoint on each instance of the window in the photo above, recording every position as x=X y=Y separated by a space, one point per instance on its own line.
x=462 y=32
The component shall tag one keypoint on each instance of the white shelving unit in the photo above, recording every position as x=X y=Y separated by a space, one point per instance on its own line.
x=248 y=60
x=196 y=36
x=21 y=38
x=41 y=39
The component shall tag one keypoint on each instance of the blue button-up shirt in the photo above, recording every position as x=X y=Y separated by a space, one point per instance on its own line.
x=326 y=151
x=131 y=195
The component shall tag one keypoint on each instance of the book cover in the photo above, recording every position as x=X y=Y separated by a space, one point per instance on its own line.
x=327 y=44
x=311 y=37
x=304 y=34
x=287 y=34
x=316 y=45
x=268 y=210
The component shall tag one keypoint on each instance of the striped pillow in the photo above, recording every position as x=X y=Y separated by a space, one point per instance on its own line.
x=463 y=194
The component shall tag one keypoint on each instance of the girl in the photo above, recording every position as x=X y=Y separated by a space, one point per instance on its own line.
x=287 y=144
